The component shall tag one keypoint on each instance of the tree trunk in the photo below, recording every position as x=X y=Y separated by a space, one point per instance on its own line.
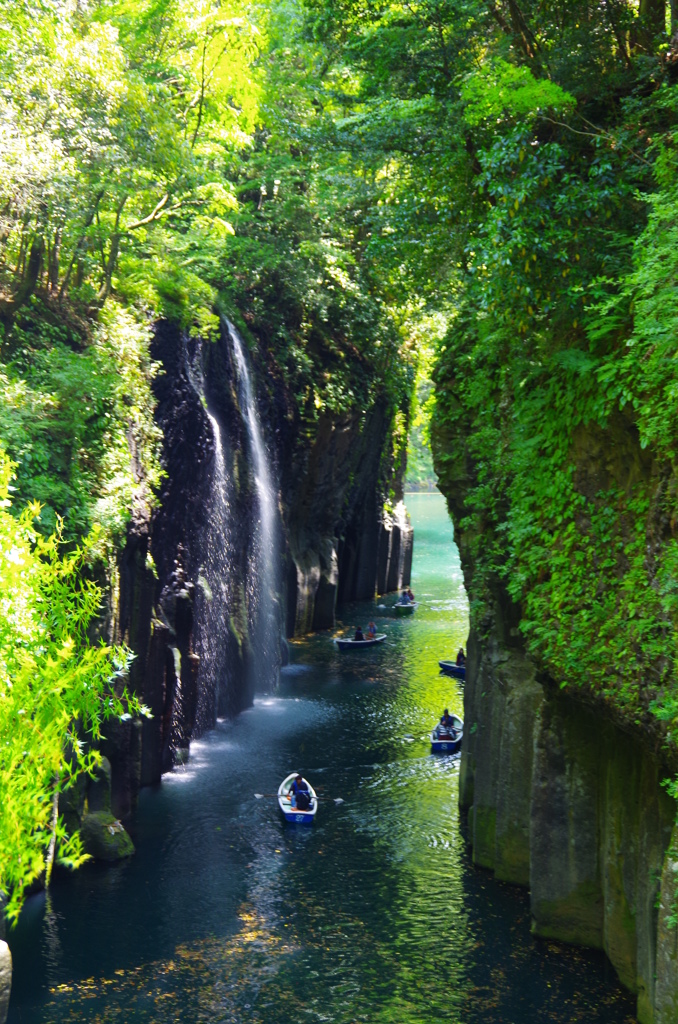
x=651 y=25
x=53 y=262
x=31 y=274
x=107 y=283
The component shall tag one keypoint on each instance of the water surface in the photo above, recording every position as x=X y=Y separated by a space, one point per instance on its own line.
x=227 y=915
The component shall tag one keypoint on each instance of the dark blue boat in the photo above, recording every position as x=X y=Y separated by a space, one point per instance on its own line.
x=447 y=741
x=291 y=813
x=452 y=669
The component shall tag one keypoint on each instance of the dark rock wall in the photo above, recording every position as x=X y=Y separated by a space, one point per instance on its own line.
x=337 y=543
x=565 y=802
x=159 y=593
x=342 y=543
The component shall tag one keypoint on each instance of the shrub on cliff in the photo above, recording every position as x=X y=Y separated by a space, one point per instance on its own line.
x=554 y=425
x=56 y=689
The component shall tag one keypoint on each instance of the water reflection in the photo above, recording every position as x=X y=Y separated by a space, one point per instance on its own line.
x=374 y=915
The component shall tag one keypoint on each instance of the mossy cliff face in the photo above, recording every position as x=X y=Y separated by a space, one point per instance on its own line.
x=562 y=784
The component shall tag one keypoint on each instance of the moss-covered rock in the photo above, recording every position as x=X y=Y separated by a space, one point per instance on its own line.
x=5 y=979
x=104 y=838
x=666 y=986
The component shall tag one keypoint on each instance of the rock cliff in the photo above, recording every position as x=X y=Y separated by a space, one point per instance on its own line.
x=342 y=528
x=563 y=791
x=562 y=800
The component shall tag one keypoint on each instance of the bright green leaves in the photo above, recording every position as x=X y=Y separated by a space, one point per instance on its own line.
x=56 y=688
x=118 y=124
x=499 y=90
x=67 y=420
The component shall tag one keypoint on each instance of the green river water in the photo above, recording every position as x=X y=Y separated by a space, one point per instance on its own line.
x=376 y=914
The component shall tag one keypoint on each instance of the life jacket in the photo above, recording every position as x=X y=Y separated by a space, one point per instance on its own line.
x=303 y=800
x=303 y=797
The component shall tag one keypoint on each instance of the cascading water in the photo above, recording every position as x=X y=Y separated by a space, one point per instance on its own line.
x=215 y=573
x=264 y=577
x=228 y=560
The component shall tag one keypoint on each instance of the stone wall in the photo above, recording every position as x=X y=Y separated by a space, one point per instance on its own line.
x=561 y=799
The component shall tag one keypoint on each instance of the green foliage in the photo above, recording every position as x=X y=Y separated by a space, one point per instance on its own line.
x=70 y=417
x=55 y=690
x=500 y=90
x=554 y=428
x=116 y=117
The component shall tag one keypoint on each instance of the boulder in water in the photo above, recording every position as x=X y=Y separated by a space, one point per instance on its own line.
x=5 y=979
x=104 y=838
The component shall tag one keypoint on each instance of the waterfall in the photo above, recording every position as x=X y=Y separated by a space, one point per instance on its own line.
x=263 y=578
x=215 y=572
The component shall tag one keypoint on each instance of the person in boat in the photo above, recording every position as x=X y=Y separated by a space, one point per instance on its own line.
x=359 y=635
x=447 y=723
x=300 y=798
x=404 y=598
x=371 y=630
x=410 y=595
x=461 y=657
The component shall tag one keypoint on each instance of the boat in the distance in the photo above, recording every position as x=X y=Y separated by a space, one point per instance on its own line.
x=452 y=669
x=447 y=740
x=405 y=609
x=348 y=644
x=295 y=814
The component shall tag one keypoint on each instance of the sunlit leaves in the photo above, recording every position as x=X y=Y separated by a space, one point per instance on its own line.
x=499 y=90
x=55 y=690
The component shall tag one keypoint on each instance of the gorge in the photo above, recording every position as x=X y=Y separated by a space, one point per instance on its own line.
x=262 y=269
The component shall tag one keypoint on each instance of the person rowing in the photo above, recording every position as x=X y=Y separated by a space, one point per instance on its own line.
x=300 y=798
x=447 y=724
x=371 y=631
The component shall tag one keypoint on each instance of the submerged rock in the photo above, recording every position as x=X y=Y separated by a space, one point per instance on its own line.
x=104 y=838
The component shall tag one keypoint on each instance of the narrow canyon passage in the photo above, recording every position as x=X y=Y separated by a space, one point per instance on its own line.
x=375 y=915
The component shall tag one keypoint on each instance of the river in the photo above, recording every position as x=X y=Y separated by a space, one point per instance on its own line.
x=375 y=914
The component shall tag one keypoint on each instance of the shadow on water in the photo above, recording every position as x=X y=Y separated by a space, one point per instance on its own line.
x=376 y=915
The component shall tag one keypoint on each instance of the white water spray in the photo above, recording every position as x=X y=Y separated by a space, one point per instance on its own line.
x=213 y=596
x=263 y=585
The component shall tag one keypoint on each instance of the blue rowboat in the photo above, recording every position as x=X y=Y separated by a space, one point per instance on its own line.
x=452 y=669
x=348 y=645
x=405 y=609
x=291 y=813
x=447 y=742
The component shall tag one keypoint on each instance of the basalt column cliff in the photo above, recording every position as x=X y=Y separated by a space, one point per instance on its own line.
x=262 y=528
